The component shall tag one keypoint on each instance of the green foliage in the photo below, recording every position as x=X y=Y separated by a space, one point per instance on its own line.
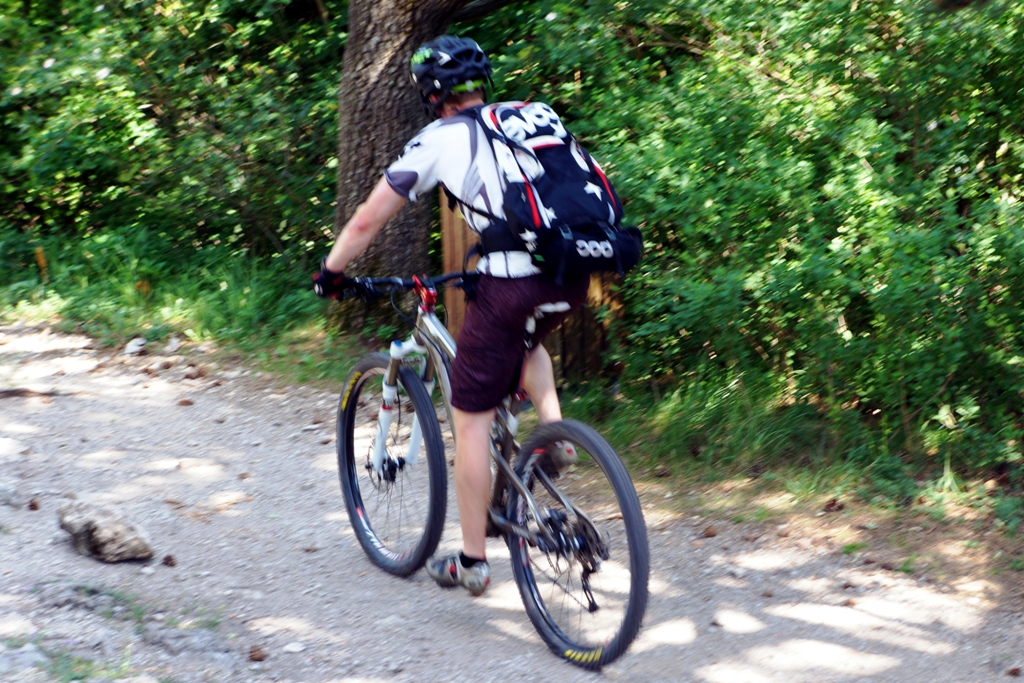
x=207 y=123
x=831 y=194
x=1011 y=512
x=65 y=667
x=120 y=283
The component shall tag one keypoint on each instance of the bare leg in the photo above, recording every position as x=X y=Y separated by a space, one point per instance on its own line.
x=473 y=477
x=539 y=382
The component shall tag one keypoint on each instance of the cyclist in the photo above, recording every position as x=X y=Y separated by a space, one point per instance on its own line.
x=454 y=152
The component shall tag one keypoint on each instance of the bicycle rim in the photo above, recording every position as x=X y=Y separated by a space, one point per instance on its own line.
x=398 y=514
x=588 y=603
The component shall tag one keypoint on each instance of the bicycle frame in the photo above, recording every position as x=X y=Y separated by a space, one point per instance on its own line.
x=433 y=344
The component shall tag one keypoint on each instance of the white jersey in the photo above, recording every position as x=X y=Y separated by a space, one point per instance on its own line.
x=455 y=153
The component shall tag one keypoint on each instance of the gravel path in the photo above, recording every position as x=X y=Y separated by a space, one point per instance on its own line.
x=233 y=477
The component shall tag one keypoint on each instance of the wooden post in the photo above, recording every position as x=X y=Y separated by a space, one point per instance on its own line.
x=577 y=347
x=456 y=240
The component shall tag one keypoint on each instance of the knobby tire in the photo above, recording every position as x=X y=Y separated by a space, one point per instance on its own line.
x=550 y=583
x=398 y=522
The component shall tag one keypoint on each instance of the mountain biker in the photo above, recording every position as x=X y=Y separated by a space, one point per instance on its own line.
x=453 y=151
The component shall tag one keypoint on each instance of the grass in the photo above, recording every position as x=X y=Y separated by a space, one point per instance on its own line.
x=66 y=667
x=260 y=311
x=196 y=616
x=908 y=565
x=15 y=642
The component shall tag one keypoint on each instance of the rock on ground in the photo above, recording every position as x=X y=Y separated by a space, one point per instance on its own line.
x=100 y=532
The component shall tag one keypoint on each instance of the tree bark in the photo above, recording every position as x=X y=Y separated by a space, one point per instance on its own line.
x=379 y=110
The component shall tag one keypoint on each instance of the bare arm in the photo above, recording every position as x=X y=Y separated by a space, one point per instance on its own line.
x=366 y=222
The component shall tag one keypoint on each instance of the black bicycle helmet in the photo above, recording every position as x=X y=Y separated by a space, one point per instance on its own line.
x=449 y=64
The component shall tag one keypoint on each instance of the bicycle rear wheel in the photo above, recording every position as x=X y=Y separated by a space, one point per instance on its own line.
x=587 y=597
x=398 y=513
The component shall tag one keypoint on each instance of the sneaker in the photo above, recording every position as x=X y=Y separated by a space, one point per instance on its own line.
x=558 y=456
x=448 y=572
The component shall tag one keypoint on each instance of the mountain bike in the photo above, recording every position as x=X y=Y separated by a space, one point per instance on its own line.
x=577 y=539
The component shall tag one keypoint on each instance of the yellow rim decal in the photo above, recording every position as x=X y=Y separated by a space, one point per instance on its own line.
x=348 y=389
x=584 y=656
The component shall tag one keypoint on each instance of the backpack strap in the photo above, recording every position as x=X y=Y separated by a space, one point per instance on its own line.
x=488 y=120
x=454 y=201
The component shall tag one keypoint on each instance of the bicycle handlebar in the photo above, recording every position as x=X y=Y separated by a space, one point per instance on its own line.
x=377 y=286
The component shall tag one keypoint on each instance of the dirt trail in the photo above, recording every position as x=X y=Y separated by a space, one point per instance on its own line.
x=233 y=476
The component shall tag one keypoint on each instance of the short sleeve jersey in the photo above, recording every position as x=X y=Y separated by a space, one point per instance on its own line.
x=455 y=153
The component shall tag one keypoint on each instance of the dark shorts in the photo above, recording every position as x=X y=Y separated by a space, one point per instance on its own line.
x=491 y=342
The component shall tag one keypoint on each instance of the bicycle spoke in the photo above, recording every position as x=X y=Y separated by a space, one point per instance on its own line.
x=397 y=512
x=586 y=595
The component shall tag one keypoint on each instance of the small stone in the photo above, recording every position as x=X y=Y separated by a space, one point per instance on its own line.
x=256 y=654
x=9 y=494
x=185 y=402
x=148 y=571
x=173 y=344
x=135 y=347
x=100 y=532
x=194 y=372
x=710 y=531
x=849 y=602
x=25 y=657
x=294 y=647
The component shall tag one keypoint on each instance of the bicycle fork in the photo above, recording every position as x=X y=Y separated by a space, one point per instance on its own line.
x=399 y=351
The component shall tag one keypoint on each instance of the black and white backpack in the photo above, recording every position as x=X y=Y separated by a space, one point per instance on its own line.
x=559 y=205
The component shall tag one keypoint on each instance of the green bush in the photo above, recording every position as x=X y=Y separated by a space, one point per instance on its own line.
x=831 y=195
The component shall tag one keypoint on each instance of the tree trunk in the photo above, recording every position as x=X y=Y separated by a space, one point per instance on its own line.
x=379 y=110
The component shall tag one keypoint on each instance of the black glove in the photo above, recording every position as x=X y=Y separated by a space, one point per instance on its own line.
x=329 y=284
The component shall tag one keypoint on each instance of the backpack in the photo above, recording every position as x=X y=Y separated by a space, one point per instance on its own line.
x=558 y=204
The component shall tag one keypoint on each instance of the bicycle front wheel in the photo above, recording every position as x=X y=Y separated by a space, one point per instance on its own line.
x=397 y=510
x=587 y=596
